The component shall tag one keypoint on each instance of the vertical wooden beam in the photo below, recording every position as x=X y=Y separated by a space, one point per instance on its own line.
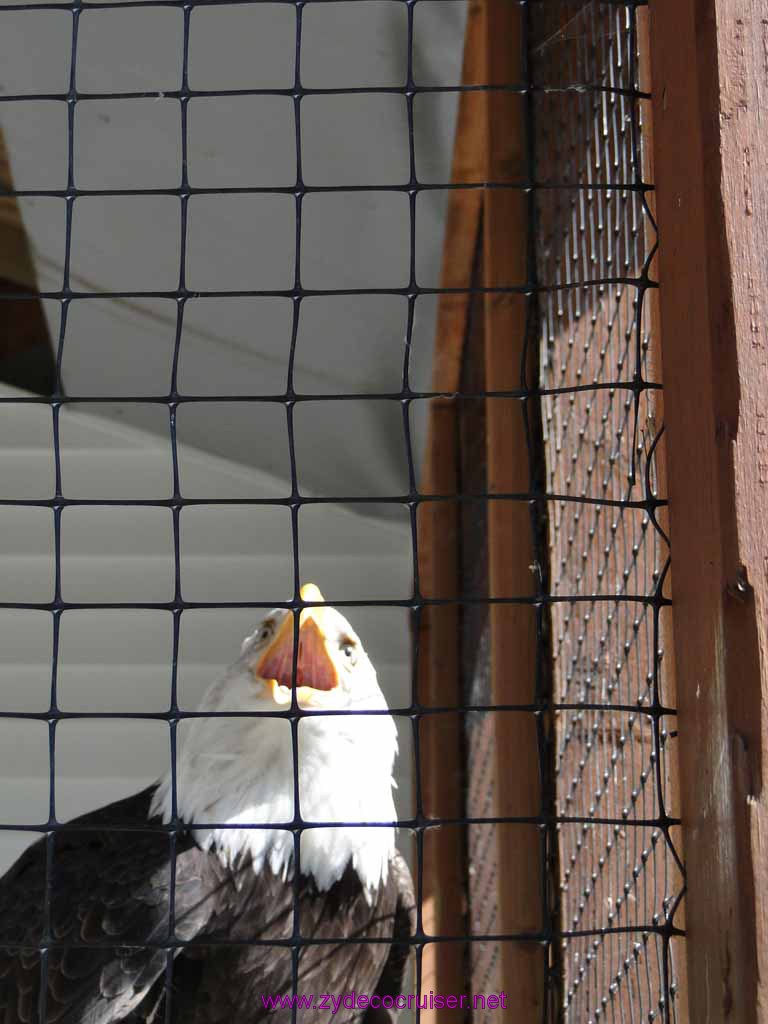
x=710 y=149
x=490 y=146
x=513 y=634
x=443 y=908
x=463 y=215
x=443 y=900
x=671 y=779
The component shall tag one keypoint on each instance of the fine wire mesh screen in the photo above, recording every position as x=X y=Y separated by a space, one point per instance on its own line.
x=620 y=872
x=482 y=855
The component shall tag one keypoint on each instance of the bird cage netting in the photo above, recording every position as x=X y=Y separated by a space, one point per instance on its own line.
x=612 y=913
x=619 y=869
x=299 y=199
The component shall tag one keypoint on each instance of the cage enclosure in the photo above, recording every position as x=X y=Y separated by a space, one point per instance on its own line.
x=415 y=335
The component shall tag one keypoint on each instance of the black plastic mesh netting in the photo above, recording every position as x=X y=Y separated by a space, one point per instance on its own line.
x=620 y=871
x=605 y=828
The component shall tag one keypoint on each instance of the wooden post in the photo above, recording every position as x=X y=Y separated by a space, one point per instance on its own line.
x=513 y=633
x=671 y=780
x=490 y=146
x=443 y=899
x=710 y=151
x=463 y=217
x=443 y=907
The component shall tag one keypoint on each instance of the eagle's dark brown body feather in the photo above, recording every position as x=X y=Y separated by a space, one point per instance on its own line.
x=110 y=906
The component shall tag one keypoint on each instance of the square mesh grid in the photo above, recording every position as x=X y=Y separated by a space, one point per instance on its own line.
x=619 y=873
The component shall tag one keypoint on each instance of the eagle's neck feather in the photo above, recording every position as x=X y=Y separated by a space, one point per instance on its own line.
x=233 y=771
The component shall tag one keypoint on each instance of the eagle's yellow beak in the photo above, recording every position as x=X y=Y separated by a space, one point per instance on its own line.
x=315 y=669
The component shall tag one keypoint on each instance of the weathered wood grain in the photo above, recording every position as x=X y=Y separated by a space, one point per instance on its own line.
x=671 y=780
x=710 y=75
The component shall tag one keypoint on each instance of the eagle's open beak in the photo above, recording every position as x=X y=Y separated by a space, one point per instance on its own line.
x=315 y=669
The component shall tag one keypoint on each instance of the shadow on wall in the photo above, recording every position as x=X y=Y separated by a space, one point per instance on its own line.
x=26 y=353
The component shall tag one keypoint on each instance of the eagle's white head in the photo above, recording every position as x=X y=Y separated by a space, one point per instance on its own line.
x=243 y=768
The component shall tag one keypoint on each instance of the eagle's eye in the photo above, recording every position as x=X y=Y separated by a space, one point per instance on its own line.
x=348 y=648
x=266 y=632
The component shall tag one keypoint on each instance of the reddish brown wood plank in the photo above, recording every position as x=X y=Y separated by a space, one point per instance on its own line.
x=463 y=217
x=671 y=779
x=513 y=634
x=443 y=906
x=709 y=68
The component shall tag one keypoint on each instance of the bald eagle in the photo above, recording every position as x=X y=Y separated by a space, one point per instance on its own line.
x=183 y=903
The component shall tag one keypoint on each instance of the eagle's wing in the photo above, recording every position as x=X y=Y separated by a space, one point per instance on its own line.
x=226 y=982
x=392 y=981
x=108 y=912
